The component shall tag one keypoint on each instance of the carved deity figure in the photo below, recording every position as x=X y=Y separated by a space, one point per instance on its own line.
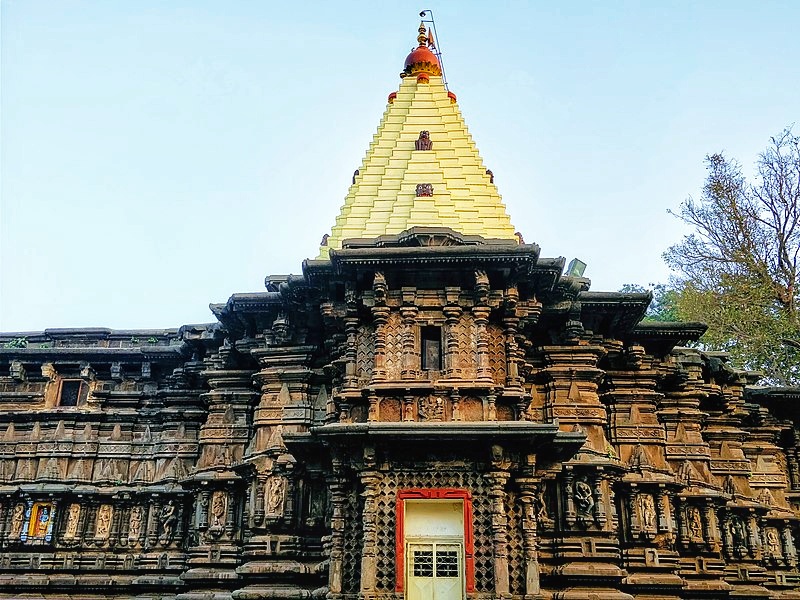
x=103 y=527
x=219 y=506
x=169 y=519
x=431 y=409
x=695 y=523
x=41 y=521
x=739 y=536
x=275 y=495
x=424 y=190
x=647 y=510
x=423 y=142
x=17 y=520
x=584 y=500
x=73 y=516
x=135 y=526
x=773 y=543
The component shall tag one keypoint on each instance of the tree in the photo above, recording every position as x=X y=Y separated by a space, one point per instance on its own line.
x=663 y=307
x=738 y=270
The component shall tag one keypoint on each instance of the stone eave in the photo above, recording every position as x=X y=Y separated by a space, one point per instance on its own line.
x=441 y=257
x=108 y=354
x=662 y=337
x=523 y=435
x=613 y=313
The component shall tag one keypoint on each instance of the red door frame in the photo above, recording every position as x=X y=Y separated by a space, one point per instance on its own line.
x=434 y=494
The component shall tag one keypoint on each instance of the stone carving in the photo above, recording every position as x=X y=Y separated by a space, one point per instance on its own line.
x=168 y=519
x=773 y=542
x=647 y=511
x=739 y=536
x=41 y=517
x=103 y=526
x=135 y=525
x=276 y=491
x=217 y=512
x=584 y=502
x=695 y=523
x=431 y=409
x=423 y=142
x=17 y=519
x=424 y=190
x=73 y=517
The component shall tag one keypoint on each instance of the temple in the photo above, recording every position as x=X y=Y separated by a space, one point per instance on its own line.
x=433 y=410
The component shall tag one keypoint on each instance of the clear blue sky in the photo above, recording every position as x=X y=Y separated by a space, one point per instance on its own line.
x=158 y=156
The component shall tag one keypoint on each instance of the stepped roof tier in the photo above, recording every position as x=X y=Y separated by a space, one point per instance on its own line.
x=422 y=168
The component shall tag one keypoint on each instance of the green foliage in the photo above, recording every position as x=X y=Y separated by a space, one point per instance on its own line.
x=20 y=342
x=663 y=307
x=738 y=271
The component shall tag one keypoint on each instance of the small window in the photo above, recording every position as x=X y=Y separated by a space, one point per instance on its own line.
x=431 y=348
x=73 y=392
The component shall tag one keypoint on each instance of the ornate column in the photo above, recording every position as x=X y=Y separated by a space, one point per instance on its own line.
x=569 y=500
x=497 y=484
x=528 y=497
x=789 y=549
x=338 y=487
x=452 y=315
x=410 y=362
x=380 y=316
x=369 y=551
x=481 y=316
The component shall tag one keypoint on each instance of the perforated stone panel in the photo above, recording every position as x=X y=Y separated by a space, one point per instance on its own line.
x=353 y=542
x=482 y=520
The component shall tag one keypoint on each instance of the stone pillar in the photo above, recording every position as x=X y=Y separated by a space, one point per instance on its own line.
x=338 y=488
x=369 y=550
x=599 y=500
x=789 y=549
x=351 y=353
x=410 y=358
x=569 y=500
x=481 y=315
x=712 y=528
x=380 y=316
x=452 y=315
x=527 y=496
x=497 y=493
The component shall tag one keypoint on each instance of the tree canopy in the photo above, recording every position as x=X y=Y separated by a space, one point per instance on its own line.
x=738 y=270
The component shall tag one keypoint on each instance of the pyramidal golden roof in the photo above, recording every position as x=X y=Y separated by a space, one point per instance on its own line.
x=422 y=167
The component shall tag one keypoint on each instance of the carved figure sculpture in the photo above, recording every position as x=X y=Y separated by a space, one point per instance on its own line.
x=647 y=510
x=42 y=521
x=73 y=515
x=277 y=489
x=135 y=526
x=739 y=537
x=773 y=543
x=424 y=190
x=424 y=141
x=169 y=519
x=219 y=506
x=695 y=523
x=584 y=502
x=17 y=519
x=103 y=527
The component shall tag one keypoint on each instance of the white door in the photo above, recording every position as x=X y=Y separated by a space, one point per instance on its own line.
x=434 y=570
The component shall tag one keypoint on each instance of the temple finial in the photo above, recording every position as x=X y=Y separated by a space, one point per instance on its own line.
x=422 y=38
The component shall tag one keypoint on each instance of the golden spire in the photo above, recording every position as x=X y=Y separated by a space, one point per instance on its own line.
x=422 y=38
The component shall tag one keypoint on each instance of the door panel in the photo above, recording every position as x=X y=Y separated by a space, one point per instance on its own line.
x=435 y=571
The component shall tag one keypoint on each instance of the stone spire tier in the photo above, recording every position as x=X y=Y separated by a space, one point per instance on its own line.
x=422 y=168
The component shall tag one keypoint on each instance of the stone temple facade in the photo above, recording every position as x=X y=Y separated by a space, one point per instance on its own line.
x=432 y=410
